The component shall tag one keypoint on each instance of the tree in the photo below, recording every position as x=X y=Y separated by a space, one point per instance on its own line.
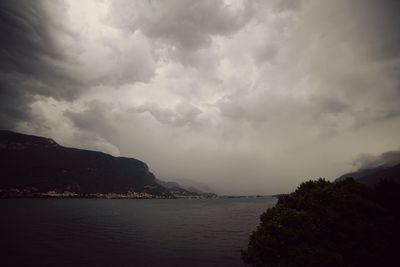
x=325 y=224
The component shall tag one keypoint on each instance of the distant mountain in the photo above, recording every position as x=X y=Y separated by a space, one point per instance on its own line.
x=168 y=185
x=39 y=164
x=195 y=190
x=177 y=189
x=194 y=186
x=372 y=176
x=173 y=187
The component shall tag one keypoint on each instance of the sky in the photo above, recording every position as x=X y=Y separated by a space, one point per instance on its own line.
x=247 y=97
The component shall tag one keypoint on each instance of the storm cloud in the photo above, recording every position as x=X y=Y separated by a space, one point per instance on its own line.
x=386 y=159
x=244 y=96
x=32 y=63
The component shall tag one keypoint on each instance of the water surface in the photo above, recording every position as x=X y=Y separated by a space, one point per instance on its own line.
x=117 y=232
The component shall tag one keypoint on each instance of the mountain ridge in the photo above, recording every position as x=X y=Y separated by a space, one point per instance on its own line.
x=372 y=176
x=40 y=164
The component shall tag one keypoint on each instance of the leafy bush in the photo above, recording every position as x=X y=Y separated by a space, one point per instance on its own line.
x=325 y=224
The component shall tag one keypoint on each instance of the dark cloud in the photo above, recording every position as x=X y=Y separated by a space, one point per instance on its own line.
x=386 y=159
x=29 y=41
x=30 y=60
x=42 y=54
x=383 y=37
x=13 y=106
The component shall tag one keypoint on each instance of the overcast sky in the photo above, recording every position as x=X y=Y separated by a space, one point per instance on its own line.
x=244 y=96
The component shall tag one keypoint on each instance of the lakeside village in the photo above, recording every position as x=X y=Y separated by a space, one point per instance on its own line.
x=32 y=193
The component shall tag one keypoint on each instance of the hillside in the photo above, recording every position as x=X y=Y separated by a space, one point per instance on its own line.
x=371 y=176
x=33 y=163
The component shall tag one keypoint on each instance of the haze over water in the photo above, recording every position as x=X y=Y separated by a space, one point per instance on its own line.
x=95 y=232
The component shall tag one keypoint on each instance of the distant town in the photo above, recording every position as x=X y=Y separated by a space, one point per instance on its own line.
x=29 y=193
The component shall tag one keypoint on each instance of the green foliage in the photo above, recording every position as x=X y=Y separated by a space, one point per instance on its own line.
x=325 y=224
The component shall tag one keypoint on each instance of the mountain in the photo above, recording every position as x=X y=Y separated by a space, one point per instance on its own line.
x=372 y=176
x=168 y=185
x=173 y=187
x=179 y=191
x=34 y=163
x=194 y=186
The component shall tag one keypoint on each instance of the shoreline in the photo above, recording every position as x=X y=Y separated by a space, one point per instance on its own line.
x=128 y=197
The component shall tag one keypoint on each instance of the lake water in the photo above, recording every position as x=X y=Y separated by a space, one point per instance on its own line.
x=116 y=232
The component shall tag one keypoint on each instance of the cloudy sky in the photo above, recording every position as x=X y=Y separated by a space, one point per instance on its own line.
x=244 y=96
